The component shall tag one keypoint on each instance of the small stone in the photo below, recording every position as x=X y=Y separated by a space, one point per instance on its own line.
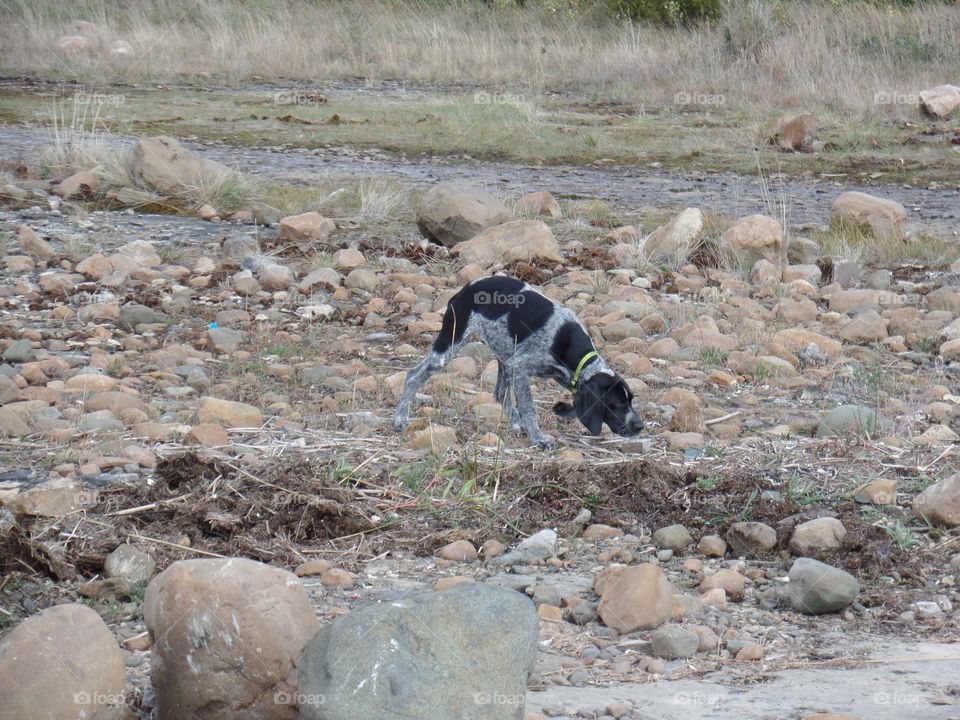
x=673 y=537
x=459 y=551
x=751 y=538
x=730 y=581
x=34 y=245
x=601 y=532
x=673 y=642
x=129 y=563
x=228 y=413
x=639 y=597
x=224 y=340
x=492 y=548
x=750 y=653
x=940 y=503
x=348 y=259
x=306 y=230
x=20 y=352
x=313 y=567
x=877 y=492
x=712 y=546
x=208 y=435
x=848 y=420
x=362 y=279
x=817 y=535
x=539 y=546
x=817 y=588
x=435 y=438
x=937 y=435
x=338 y=578
x=446 y=583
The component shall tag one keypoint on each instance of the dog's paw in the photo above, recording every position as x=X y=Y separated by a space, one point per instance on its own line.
x=544 y=442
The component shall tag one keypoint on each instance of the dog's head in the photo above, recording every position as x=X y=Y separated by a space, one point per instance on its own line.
x=604 y=398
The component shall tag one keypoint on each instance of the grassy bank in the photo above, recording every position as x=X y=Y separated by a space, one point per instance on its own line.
x=852 y=57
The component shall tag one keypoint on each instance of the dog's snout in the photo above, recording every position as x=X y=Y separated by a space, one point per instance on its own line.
x=633 y=425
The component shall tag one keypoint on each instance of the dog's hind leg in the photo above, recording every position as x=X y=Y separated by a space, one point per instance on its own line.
x=457 y=326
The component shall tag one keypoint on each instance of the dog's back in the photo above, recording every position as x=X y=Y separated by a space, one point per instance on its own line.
x=503 y=311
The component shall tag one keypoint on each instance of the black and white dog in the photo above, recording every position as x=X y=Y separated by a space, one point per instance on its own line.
x=531 y=337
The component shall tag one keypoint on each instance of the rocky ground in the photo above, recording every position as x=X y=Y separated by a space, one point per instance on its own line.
x=215 y=388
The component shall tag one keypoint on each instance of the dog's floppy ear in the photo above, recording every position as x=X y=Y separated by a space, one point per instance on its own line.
x=589 y=409
x=565 y=410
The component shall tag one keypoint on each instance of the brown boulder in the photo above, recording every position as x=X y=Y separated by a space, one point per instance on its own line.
x=795 y=132
x=34 y=245
x=450 y=213
x=228 y=413
x=941 y=101
x=732 y=583
x=73 y=45
x=675 y=240
x=751 y=538
x=306 y=229
x=79 y=185
x=525 y=240
x=756 y=237
x=227 y=636
x=885 y=218
x=60 y=664
x=638 y=598
x=940 y=503
x=55 y=497
x=798 y=340
x=164 y=165
x=538 y=203
x=825 y=533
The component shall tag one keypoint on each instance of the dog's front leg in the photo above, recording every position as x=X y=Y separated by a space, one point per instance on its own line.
x=528 y=411
x=415 y=380
x=503 y=393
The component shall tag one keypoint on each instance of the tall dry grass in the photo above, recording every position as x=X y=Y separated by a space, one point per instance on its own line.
x=762 y=52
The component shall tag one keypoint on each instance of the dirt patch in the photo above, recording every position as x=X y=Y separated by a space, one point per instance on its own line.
x=640 y=495
x=197 y=507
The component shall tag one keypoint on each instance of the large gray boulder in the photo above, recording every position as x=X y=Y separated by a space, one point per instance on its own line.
x=462 y=653
x=450 y=213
